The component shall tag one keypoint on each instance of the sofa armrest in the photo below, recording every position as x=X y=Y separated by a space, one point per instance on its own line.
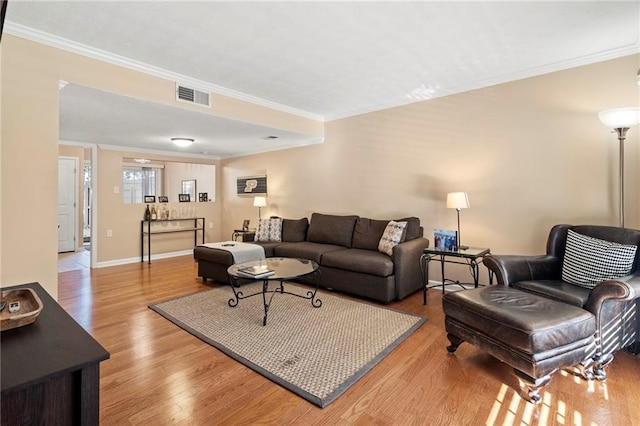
x=511 y=269
x=625 y=288
x=406 y=266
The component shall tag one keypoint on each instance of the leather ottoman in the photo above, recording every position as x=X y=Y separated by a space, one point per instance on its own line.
x=534 y=335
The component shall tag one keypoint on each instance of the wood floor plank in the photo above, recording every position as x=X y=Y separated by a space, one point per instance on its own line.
x=160 y=374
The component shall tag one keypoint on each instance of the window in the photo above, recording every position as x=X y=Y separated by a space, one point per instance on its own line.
x=139 y=181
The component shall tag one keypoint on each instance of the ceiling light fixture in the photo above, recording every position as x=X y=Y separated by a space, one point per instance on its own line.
x=182 y=142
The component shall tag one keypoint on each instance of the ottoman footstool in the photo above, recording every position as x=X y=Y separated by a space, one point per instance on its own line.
x=534 y=335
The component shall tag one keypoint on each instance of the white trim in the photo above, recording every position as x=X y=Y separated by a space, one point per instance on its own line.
x=136 y=259
x=157 y=151
x=93 y=243
x=76 y=195
x=37 y=36
x=32 y=34
x=313 y=141
x=606 y=55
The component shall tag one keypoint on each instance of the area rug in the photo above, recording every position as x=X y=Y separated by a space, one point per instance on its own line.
x=317 y=353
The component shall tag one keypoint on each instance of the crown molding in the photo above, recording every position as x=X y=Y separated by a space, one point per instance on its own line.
x=41 y=37
x=606 y=55
x=157 y=152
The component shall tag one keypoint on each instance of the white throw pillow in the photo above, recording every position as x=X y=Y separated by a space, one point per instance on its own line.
x=391 y=236
x=269 y=230
x=588 y=260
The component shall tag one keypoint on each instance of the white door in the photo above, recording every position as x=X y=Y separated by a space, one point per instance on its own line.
x=67 y=184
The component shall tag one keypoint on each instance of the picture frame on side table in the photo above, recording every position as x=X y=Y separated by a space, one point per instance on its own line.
x=446 y=240
x=245 y=225
x=203 y=197
x=163 y=199
x=184 y=198
x=149 y=199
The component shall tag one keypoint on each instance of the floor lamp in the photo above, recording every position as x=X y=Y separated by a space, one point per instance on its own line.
x=621 y=119
x=458 y=200
x=260 y=202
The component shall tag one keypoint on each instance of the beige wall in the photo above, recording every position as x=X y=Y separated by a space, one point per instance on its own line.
x=530 y=154
x=30 y=74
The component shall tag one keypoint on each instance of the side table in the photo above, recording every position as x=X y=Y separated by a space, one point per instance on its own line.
x=468 y=257
x=241 y=233
x=50 y=370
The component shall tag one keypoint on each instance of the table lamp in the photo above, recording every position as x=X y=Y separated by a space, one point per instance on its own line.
x=259 y=202
x=458 y=200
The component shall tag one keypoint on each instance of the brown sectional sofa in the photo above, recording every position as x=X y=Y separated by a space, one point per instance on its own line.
x=346 y=248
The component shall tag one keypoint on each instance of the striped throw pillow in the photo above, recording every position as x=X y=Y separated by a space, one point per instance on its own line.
x=588 y=260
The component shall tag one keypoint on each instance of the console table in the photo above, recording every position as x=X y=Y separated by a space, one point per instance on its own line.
x=196 y=225
x=468 y=256
x=50 y=369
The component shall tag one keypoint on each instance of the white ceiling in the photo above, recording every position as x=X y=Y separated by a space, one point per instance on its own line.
x=318 y=59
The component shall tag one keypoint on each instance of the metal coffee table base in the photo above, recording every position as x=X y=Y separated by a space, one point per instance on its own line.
x=238 y=295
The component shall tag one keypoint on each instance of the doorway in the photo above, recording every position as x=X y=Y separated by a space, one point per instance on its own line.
x=67 y=196
x=75 y=191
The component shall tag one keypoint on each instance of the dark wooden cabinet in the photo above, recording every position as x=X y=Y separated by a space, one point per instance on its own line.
x=50 y=370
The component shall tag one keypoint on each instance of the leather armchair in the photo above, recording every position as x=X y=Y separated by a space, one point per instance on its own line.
x=614 y=303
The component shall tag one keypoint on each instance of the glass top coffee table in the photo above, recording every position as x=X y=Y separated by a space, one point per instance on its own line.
x=284 y=268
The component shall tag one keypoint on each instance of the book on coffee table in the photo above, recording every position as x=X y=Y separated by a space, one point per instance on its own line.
x=255 y=271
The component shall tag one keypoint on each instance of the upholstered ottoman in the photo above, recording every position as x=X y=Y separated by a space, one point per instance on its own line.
x=534 y=335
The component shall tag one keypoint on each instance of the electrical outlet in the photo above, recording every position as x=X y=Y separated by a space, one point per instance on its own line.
x=210 y=224
x=116 y=189
x=109 y=233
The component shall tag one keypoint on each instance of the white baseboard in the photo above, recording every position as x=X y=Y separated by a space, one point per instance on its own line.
x=137 y=258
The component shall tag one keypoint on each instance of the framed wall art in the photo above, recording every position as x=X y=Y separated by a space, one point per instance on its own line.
x=250 y=186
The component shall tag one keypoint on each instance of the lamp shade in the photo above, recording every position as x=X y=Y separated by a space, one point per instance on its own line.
x=260 y=202
x=457 y=200
x=620 y=117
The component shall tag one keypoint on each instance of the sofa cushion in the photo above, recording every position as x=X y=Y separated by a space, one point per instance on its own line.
x=360 y=260
x=588 y=261
x=330 y=229
x=268 y=246
x=305 y=250
x=555 y=289
x=367 y=233
x=392 y=236
x=295 y=230
x=413 y=228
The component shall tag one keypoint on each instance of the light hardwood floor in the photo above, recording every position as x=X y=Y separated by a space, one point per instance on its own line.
x=160 y=374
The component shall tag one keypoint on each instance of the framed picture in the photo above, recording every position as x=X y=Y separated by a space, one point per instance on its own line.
x=163 y=199
x=203 y=197
x=250 y=186
x=184 y=198
x=149 y=198
x=445 y=239
x=245 y=225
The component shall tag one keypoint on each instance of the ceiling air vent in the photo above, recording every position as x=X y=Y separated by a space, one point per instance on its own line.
x=192 y=96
